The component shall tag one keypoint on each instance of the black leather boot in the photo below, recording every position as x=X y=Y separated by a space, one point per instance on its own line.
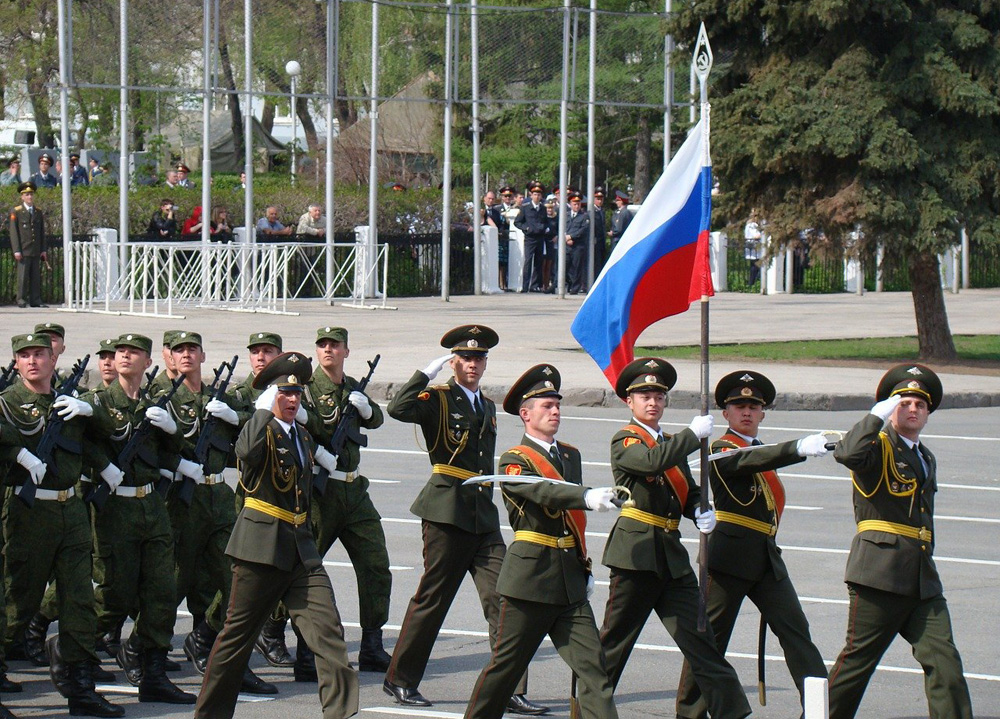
x=111 y=641
x=154 y=686
x=372 y=657
x=198 y=645
x=34 y=640
x=100 y=674
x=129 y=658
x=83 y=700
x=305 y=661
x=8 y=686
x=271 y=643
x=58 y=669
x=253 y=684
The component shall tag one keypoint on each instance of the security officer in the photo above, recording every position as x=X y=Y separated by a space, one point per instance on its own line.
x=52 y=537
x=650 y=569
x=345 y=510
x=546 y=581
x=201 y=531
x=893 y=585
x=743 y=557
x=577 y=241
x=533 y=221
x=461 y=525
x=134 y=559
x=44 y=178
x=621 y=218
x=27 y=242
x=274 y=554
x=600 y=239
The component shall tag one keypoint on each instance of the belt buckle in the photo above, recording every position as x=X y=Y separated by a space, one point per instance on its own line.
x=140 y=492
x=209 y=480
x=564 y=542
x=350 y=476
x=773 y=531
x=63 y=495
x=924 y=534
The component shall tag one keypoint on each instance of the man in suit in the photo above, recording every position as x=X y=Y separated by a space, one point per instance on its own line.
x=743 y=558
x=274 y=554
x=533 y=221
x=621 y=218
x=600 y=239
x=650 y=569
x=27 y=240
x=461 y=525
x=546 y=582
x=892 y=583
x=577 y=240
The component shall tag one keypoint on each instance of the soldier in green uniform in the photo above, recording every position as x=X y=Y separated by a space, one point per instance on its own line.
x=892 y=583
x=650 y=569
x=461 y=525
x=134 y=547
x=344 y=511
x=546 y=581
x=274 y=553
x=201 y=530
x=743 y=557
x=52 y=538
x=27 y=241
x=106 y=361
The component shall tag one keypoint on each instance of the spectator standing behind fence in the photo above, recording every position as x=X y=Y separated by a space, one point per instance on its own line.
x=270 y=225
x=27 y=240
x=533 y=221
x=182 y=176
x=77 y=175
x=104 y=178
x=752 y=237
x=12 y=175
x=163 y=224
x=93 y=169
x=600 y=239
x=491 y=217
x=170 y=180
x=44 y=178
x=192 y=225
x=620 y=220
x=508 y=210
x=312 y=223
x=577 y=240
x=220 y=228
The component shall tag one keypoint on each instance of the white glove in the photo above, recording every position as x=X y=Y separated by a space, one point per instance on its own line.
x=36 y=467
x=190 y=469
x=883 y=409
x=266 y=399
x=167 y=474
x=218 y=408
x=590 y=586
x=112 y=475
x=702 y=426
x=161 y=419
x=325 y=459
x=705 y=521
x=301 y=416
x=599 y=500
x=359 y=400
x=812 y=446
x=70 y=407
x=434 y=367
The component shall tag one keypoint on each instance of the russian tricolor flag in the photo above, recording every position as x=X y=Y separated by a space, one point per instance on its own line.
x=659 y=267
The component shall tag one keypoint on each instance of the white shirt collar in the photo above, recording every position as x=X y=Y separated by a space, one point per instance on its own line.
x=909 y=442
x=547 y=446
x=470 y=395
x=284 y=425
x=749 y=440
x=657 y=433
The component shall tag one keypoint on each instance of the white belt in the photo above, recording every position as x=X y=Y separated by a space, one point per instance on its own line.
x=209 y=479
x=138 y=492
x=344 y=476
x=59 y=495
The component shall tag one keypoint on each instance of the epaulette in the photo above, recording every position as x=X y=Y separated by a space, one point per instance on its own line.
x=438 y=387
x=567 y=445
x=18 y=208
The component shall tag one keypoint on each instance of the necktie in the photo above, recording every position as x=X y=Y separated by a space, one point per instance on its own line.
x=924 y=462
x=573 y=216
x=293 y=436
x=554 y=456
x=477 y=404
x=756 y=442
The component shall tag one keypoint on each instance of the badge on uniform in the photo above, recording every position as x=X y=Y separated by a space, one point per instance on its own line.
x=513 y=469
x=629 y=441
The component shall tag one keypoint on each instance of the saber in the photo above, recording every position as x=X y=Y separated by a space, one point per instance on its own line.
x=531 y=479
x=830 y=446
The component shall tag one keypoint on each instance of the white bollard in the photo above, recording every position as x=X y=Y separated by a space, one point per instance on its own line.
x=817 y=700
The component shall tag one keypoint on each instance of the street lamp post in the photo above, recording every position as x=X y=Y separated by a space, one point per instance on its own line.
x=294 y=70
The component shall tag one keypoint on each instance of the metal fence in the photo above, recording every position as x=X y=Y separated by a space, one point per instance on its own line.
x=53 y=289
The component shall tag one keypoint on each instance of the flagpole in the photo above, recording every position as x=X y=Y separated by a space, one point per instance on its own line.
x=701 y=65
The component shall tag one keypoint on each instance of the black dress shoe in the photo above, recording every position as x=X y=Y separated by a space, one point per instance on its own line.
x=520 y=704
x=22 y=305
x=253 y=684
x=407 y=696
x=9 y=686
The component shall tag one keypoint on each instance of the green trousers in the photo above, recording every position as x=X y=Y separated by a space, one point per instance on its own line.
x=874 y=619
x=51 y=539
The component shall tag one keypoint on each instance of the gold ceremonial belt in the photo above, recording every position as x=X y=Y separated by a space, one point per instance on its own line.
x=457 y=472
x=754 y=524
x=283 y=514
x=656 y=520
x=523 y=535
x=877 y=525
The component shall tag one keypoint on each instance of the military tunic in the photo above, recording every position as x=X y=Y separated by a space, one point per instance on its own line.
x=27 y=236
x=543 y=590
x=461 y=525
x=345 y=510
x=650 y=569
x=892 y=581
x=275 y=559
x=52 y=539
x=744 y=560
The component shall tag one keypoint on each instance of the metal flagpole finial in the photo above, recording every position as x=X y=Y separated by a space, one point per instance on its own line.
x=702 y=59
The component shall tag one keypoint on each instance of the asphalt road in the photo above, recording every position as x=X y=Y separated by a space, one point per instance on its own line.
x=815 y=534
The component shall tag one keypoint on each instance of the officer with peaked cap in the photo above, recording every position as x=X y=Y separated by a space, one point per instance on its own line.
x=461 y=525
x=274 y=554
x=44 y=178
x=650 y=568
x=545 y=582
x=743 y=557
x=533 y=220
x=27 y=242
x=892 y=582
x=620 y=219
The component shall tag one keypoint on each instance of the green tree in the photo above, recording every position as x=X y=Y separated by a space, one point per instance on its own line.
x=879 y=116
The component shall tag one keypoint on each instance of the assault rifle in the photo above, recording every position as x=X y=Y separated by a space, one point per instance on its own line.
x=209 y=436
x=8 y=375
x=52 y=436
x=347 y=428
